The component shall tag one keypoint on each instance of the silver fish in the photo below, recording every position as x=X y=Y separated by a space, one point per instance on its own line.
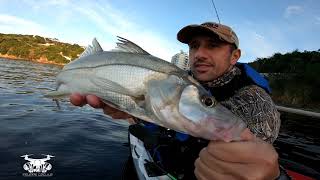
x=149 y=88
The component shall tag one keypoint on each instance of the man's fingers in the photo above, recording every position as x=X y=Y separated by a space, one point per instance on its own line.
x=245 y=151
x=209 y=160
x=94 y=101
x=203 y=170
x=228 y=169
x=78 y=99
x=247 y=135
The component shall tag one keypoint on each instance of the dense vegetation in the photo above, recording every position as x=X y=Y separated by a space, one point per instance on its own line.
x=294 y=77
x=32 y=47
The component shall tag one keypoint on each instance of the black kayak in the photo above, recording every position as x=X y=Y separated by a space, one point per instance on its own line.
x=141 y=165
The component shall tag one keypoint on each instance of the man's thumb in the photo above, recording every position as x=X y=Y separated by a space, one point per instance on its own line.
x=247 y=135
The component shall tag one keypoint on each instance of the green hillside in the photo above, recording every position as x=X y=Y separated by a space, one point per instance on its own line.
x=294 y=77
x=38 y=48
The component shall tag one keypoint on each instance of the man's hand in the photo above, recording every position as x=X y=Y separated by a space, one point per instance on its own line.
x=81 y=100
x=251 y=158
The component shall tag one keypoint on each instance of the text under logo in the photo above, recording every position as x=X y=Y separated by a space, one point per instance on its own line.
x=37 y=167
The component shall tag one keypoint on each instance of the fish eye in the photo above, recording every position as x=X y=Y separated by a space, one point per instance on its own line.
x=208 y=101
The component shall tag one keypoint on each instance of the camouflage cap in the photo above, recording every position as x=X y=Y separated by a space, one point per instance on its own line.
x=224 y=32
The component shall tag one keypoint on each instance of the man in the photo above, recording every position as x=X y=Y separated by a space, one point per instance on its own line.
x=213 y=54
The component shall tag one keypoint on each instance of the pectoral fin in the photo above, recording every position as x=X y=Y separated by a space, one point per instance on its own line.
x=108 y=85
x=57 y=94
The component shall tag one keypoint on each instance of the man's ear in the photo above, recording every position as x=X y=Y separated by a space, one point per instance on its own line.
x=235 y=56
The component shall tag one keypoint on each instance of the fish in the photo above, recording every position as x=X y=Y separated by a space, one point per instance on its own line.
x=131 y=80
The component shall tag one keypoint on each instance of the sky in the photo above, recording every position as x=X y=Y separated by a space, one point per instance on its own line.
x=263 y=27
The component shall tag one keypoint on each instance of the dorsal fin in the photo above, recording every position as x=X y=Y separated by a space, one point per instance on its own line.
x=127 y=46
x=95 y=48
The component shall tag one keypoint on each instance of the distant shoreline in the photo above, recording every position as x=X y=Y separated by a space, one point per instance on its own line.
x=38 y=49
x=41 y=60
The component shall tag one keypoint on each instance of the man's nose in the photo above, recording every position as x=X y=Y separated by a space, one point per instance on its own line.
x=200 y=53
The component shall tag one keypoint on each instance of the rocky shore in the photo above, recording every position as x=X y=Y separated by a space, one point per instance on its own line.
x=42 y=60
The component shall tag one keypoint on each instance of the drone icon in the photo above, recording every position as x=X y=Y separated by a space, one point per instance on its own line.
x=37 y=165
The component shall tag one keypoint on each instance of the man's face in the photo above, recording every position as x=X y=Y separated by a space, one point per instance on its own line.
x=210 y=57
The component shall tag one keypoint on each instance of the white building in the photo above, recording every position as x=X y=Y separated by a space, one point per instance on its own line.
x=181 y=60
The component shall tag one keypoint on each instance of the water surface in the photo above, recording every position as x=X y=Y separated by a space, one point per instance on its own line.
x=86 y=143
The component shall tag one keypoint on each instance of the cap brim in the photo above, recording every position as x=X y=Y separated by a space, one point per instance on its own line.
x=188 y=32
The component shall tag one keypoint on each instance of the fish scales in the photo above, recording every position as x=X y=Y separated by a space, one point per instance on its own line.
x=144 y=86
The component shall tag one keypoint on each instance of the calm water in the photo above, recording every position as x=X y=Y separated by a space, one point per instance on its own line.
x=88 y=145
x=85 y=143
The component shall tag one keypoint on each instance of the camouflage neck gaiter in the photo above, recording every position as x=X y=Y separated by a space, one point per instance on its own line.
x=224 y=79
